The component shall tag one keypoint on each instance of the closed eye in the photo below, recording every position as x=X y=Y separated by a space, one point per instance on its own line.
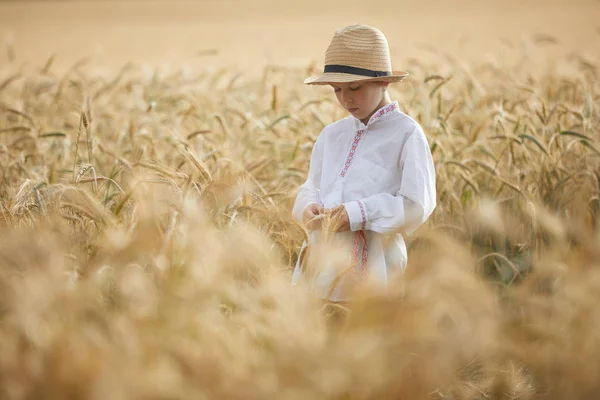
x=355 y=89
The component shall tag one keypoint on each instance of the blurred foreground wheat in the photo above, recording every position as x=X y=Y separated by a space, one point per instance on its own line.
x=146 y=241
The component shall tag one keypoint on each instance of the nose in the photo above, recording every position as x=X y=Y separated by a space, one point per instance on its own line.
x=346 y=98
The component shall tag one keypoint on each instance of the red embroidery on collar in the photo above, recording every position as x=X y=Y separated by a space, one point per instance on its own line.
x=383 y=111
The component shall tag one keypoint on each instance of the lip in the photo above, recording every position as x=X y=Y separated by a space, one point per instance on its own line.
x=353 y=110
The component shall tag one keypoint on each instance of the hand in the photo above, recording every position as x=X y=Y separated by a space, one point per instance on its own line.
x=312 y=216
x=337 y=219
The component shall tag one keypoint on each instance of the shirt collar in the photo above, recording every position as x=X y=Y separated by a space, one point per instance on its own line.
x=381 y=114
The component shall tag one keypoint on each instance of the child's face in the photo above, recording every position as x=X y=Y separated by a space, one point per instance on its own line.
x=361 y=99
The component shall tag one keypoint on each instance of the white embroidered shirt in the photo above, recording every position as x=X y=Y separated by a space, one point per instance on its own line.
x=383 y=174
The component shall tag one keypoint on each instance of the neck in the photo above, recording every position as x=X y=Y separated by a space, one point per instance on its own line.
x=384 y=102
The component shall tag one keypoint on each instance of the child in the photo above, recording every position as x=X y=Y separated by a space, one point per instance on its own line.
x=371 y=173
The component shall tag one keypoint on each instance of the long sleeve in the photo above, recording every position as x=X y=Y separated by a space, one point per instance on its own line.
x=308 y=192
x=411 y=205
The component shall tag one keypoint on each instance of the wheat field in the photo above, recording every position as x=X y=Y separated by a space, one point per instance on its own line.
x=146 y=242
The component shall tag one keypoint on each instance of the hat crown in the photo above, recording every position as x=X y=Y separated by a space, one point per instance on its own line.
x=359 y=46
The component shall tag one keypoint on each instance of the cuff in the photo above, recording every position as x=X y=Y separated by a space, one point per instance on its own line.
x=357 y=215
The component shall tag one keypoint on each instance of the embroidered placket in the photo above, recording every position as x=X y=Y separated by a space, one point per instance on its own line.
x=350 y=157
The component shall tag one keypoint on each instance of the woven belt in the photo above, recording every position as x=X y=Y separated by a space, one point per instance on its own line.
x=359 y=273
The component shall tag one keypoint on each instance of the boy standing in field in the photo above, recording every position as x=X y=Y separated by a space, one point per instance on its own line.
x=371 y=175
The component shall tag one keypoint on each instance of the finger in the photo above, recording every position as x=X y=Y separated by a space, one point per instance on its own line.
x=314 y=211
x=318 y=217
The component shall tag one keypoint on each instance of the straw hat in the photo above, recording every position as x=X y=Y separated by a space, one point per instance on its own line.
x=357 y=53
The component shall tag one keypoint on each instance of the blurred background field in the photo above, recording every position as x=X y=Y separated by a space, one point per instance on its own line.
x=150 y=152
x=249 y=34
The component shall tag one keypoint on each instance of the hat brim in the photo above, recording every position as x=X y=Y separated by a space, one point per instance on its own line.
x=338 y=77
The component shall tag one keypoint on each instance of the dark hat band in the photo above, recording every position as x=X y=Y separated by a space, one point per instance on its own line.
x=345 y=69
